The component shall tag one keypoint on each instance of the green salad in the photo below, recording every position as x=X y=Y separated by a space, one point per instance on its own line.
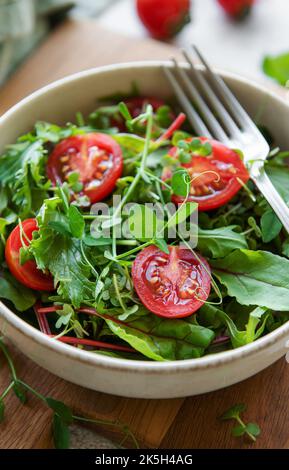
x=127 y=235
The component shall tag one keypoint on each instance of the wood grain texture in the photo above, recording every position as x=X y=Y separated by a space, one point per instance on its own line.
x=197 y=424
x=29 y=426
x=179 y=423
x=73 y=47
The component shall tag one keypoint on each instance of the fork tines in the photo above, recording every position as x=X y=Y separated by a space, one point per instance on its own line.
x=215 y=111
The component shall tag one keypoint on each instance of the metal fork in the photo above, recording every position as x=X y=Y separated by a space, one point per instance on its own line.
x=232 y=126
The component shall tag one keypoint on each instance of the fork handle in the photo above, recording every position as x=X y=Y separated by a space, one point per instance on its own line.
x=266 y=187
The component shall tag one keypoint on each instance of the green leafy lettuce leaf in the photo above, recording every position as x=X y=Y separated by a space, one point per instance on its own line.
x=22 y=171
x=57 y=251
x=277 y=67
x=219 y=242
x=270 y=226
x=22 y=297
x=130 y=142
x=254 y=328
x=280 y=177
x=162 y=339
x=255 y=278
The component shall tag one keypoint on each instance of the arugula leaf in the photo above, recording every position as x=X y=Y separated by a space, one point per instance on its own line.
x=76 y=222
x=219 y=242
x=277 y=67
x=22 y=170
x=22 y=297
x=255 y=278
x=18 y=157
x=162 y=339
x=65 y=315
x=61 y=255
x=47 y=132
x=23 y=166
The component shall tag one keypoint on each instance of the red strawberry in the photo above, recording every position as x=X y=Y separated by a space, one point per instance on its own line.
x=237 y=9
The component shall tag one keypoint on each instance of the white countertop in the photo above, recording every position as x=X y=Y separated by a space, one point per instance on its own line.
x=238 y=47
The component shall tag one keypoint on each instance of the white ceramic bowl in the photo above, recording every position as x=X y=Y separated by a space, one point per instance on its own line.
x=58 y=103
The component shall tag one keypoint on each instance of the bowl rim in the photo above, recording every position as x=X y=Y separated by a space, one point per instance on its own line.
x=129 y=365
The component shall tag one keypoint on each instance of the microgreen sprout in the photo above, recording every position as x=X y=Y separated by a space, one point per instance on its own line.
x=195 y=146
x=63 y=416
x=251 y=430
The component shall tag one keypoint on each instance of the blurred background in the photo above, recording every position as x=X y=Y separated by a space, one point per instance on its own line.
x=234 y=34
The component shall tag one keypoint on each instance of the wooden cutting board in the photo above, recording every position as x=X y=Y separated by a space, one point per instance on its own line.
x=177 y=423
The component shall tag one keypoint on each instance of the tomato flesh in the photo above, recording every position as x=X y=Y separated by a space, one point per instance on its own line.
x=27 y=273
x=173 y=285
x=216 y=178
x=95 y=156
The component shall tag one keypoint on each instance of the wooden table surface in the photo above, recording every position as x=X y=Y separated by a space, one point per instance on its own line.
x=178 y=423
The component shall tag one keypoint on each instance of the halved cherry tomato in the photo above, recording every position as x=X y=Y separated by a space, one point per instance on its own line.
x=96 y=157
x=216 y=177
x=172 y=285
x=27 y=273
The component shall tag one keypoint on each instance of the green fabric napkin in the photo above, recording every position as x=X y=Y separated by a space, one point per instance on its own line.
x=23 y=23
